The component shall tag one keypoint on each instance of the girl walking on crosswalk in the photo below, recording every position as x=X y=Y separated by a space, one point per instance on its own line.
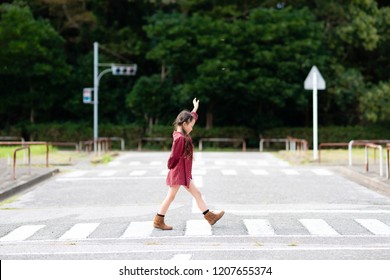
x=180 y=168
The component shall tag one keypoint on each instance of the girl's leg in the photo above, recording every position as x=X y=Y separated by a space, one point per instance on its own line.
x=172 y=191
x=198 y=197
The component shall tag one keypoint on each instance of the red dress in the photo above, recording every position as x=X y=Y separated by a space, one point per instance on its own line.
x=180 y=165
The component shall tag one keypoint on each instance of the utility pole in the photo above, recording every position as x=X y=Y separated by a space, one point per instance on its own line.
x=96 y=94
x=116 y=70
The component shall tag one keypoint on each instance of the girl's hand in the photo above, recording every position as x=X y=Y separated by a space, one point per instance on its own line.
x=196 y=104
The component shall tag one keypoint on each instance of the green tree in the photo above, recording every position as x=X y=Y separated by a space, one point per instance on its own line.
x=33 y=65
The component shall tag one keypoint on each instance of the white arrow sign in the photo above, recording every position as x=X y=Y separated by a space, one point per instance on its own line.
x=310 y=78
x=315 y=81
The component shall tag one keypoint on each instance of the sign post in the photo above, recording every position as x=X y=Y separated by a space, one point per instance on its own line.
x=314 y=81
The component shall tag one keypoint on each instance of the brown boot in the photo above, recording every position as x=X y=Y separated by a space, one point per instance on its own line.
x=158 y=222
x=213 y=218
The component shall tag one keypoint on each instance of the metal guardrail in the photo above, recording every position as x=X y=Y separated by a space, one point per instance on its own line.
x=103 y=144
x=297 y=144
x=272 y=140
x=29 y=143
x=29 y=161
x=120 y=139
x=65 y=144
x=374 y=146
x=362 y=143
x=235 y=140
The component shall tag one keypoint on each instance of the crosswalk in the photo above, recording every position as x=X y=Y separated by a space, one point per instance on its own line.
x=196 y=228
x=136 y=173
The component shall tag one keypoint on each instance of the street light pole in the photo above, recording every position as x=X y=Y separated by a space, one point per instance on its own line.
x=95 y=96
x=115 y=69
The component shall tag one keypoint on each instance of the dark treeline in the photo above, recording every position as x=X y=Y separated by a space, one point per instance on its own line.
x=246 y=61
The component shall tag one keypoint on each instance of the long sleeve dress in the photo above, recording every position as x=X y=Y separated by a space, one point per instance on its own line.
x=180 y=165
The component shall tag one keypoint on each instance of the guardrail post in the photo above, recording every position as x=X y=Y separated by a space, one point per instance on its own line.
x=350 y=151
x=29 y=160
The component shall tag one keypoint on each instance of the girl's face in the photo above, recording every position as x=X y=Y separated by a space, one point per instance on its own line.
x=188 y=126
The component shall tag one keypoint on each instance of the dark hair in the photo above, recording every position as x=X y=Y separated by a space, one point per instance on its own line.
x=185 y=116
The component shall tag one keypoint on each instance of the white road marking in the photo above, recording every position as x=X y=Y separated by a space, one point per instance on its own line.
x=75 y=174
x=138 y=173
x=375 y=226
x=290 y=172
x=134 y=163
x=107 y=173
x=21 y=233
x=164 y=172
x=79 y=231
x=259 y=227
x=138 y=229
x=259 y=172
x=318 y=227
x=322 y=172
x=229 y=172
x=109 y=178
x=262 y=162
x=154 y=163
x=198 y=228
x=197 y=171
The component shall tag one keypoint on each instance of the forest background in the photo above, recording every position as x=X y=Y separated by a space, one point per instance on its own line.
x=245 y=60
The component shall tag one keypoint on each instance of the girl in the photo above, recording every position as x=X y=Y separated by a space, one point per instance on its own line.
x=180 y=167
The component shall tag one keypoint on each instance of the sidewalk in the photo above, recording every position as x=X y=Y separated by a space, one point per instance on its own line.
x=39 y=173
x=370 y=179
x=9 y=186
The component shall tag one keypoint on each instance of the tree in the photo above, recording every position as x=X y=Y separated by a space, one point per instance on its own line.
x=33 y=64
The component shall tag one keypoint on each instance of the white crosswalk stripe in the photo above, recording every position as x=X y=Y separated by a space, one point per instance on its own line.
x=138 y=229
x=259 y=227
x=75 y=174
x=107 y=173
x=259 y=172
x=229 y=172
x=79 y=231
x=318 y=227
x=375 y=226
x=198 y=228
x=322 y=172
x=22 y=233
x=134 y=163
x=253 y=227
x=290 y=171
x=138 y=173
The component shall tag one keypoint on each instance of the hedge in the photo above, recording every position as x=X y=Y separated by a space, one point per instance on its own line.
x=74 y=132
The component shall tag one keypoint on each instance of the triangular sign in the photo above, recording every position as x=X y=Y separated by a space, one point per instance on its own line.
x=309 y=79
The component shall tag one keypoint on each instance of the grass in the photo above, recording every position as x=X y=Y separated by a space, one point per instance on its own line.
x=8 y=151
x=331 y=156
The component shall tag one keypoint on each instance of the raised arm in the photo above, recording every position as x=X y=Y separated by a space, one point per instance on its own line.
x=196 y=105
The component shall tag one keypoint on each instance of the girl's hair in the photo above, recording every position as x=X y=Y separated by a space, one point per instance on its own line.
x=185 y=117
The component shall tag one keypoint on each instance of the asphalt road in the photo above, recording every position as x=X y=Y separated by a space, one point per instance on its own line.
x=274 y=211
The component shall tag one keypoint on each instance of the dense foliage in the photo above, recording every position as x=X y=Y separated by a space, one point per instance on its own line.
x=246 y=61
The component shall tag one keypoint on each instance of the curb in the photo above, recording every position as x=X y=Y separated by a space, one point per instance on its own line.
x=25 y=185
x=377 y=184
